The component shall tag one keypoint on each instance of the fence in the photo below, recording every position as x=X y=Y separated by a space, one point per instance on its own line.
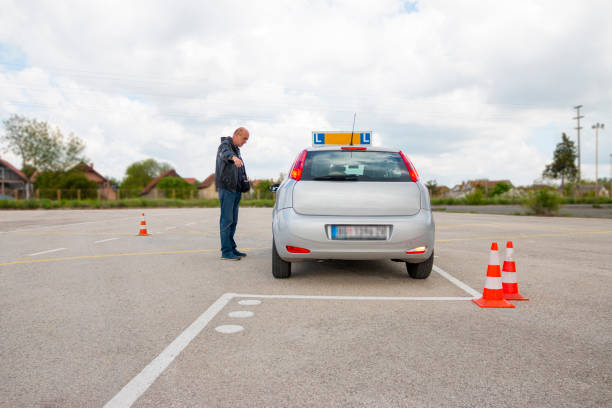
x=114 y=195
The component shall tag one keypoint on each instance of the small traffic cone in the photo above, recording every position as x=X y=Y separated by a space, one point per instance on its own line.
x=143 y=227
x=509 y=281
x=493 y=294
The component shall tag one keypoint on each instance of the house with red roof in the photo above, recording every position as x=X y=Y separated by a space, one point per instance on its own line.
x=208 y=189
x=13 y=183
x=151 y=190
x=104 y=185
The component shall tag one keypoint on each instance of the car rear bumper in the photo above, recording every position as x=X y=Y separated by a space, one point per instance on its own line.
x=310 y=232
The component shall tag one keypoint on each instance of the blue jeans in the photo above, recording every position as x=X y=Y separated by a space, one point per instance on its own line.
x=229 y=201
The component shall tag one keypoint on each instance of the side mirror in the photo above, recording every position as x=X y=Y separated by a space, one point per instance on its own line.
x=274 y=187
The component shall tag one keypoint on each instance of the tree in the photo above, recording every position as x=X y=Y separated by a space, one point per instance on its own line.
x=176 y=187
x=113 y=181
x=500 y=188
x=40 y=146
x=564 y=162
x=263 y=187
x=141 y=173
x=28 y=170
x=432 y=186
x=67 y=181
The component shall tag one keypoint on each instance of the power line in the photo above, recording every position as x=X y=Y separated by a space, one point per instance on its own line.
x=193 y=82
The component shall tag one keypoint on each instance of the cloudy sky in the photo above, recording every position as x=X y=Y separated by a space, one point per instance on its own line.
x=468 y=89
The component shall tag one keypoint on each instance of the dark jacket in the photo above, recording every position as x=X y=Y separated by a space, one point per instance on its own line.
x=227 y=175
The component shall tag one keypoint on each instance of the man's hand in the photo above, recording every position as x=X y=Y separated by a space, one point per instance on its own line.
x=237 y=161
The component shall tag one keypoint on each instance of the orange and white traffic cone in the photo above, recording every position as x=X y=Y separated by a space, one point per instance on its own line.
x=509 y=281
x=143 y=227
x=493 y=294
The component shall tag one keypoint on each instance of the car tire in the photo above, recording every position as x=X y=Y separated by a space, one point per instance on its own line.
x=420 y=270
x=280 y=269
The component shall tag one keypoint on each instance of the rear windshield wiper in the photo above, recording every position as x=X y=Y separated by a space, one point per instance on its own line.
x=349 y=177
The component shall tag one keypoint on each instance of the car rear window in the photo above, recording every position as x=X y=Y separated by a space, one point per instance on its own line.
x=354 y=165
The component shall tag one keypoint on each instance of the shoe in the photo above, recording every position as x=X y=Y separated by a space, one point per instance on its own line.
x=230 y=258
x=238 y=253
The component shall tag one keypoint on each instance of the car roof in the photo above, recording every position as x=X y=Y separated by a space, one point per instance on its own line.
x=339 y=147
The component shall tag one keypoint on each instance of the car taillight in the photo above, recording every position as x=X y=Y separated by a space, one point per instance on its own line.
x=298 y=166
x=297 y=250
x=417 y=250
x=352 y=148
x=413 y=173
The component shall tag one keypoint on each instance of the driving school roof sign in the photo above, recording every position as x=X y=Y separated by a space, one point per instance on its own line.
x=341 y=138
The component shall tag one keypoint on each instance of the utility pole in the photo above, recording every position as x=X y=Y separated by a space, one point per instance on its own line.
x=578 y=117
x=597 y=126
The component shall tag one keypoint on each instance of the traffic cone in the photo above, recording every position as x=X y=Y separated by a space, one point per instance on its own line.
x=493 y=294
x=143 y=227
x=509 y=281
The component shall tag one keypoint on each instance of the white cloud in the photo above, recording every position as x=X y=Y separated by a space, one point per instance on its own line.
x=465 y=88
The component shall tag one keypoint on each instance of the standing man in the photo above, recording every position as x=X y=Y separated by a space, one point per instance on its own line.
x=232 y=181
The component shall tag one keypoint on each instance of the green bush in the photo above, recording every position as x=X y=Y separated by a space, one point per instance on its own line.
x=543 y=202
x=257 y=203
x=475 y=198
x=176 y=187
x=69 y=182
x=500 y=188
x=7 y=204
x=125 y=203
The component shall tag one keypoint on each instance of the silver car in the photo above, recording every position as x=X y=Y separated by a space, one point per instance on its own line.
x=352 y=202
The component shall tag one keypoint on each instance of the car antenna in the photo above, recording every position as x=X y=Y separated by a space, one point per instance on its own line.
x=354 y=117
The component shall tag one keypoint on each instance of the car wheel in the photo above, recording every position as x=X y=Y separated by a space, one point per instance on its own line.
x=280 y=269
x=420 y=270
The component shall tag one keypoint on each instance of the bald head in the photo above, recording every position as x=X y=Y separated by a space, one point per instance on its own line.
x=240 y=137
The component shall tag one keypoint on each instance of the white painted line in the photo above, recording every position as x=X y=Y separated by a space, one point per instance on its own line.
x=229 y=329
x=169 y=228
x=456 y=281
x=139 y=384
x=241 y=314
x=349 y=297
x=46 y=252
x=68 y=225
x=189 y=223
x=105 y=240
x=251 y=302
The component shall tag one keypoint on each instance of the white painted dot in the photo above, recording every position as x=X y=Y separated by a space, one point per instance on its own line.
x=249 y=302
x=241 y=313
x=229 y=328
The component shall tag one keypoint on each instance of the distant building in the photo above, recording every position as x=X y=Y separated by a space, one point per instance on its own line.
x=208 y=189
x=468 y=187
x=190 y=180
x=442 y=191
x=13 y=183
x=592 y=189
x=104 y=186
x=151 y=190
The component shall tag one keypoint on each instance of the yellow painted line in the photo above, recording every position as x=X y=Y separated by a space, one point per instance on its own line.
x=73 y=258
x=106 y=233
x=194 y=251
x=71 y=233
x=496 y=224
x=526 y=236
x=153 y=232
x=487 y=224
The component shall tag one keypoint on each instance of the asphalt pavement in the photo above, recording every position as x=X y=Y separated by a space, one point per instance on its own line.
x=93 y=315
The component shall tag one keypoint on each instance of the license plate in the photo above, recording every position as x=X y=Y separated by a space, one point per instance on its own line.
x=359 y=232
